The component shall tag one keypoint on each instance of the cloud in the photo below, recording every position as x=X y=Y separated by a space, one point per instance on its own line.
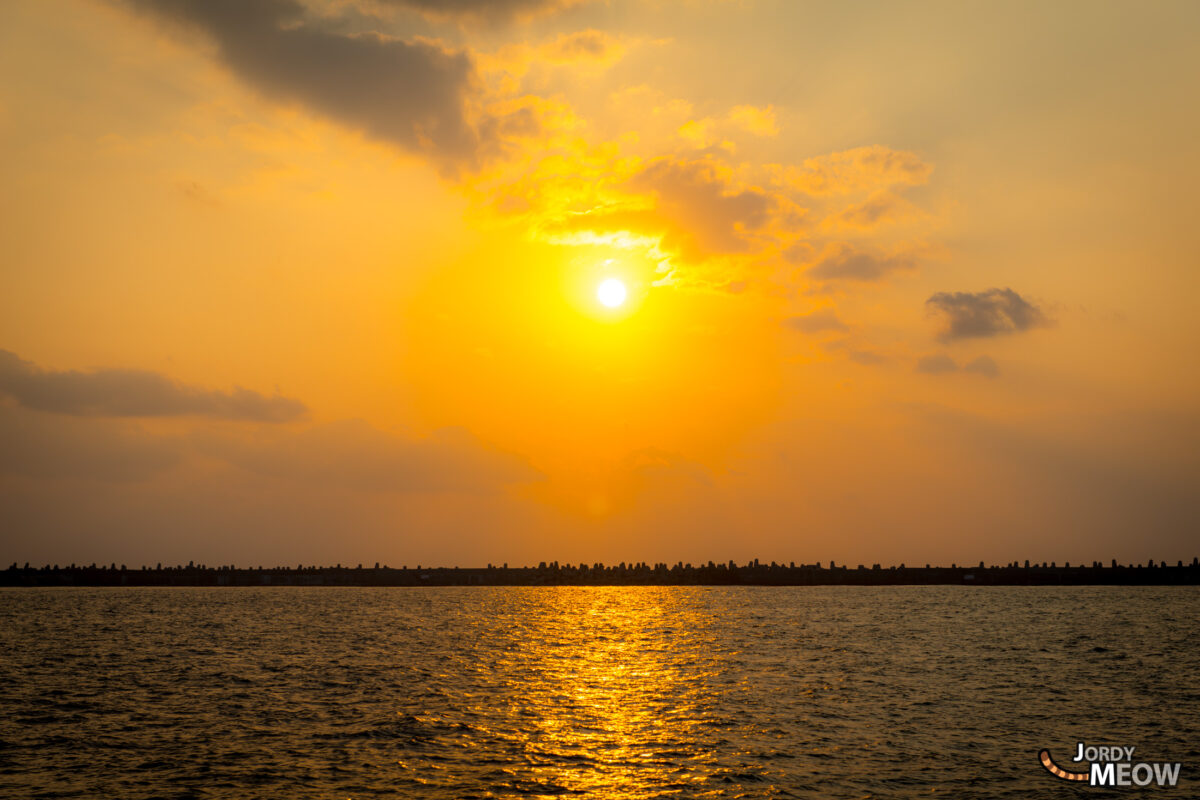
x=706 y=211
x=861 y=169
x=583 y=45
x=41 y=447
x=708 y=133
x=983 y=365
x=704 y=221
x=691 y=208
x=865 y=357
x=354 y=455
x=845 y=263
x=514 y=128
x=133 y=393
x=411 y=93
x=759 y=121
x=699 y=133
x=854 y=352
x=484 y=10
x=587 y=51
x=823 y=319
x=879 y=209
x=346 y=455
x=988 y=313
x=938 y=364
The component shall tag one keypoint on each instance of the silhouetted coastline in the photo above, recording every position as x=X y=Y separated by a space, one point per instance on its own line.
x=635 y=574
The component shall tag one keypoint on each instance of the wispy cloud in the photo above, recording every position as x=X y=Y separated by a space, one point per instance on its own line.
x=937 y=364
x=983 y=365
x=492 y=11
x=940 y=364
x=846 y=263
x=861 y=169
x=823 y=319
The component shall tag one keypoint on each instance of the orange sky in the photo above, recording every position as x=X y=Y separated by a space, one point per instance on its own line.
x=315 y=281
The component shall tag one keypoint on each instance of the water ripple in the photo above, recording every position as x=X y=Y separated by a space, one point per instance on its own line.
x=609 y=692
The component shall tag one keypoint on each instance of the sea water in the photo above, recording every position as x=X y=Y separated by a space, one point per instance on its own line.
x=604 y=692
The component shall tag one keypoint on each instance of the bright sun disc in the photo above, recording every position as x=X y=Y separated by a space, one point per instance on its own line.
x=611 y=292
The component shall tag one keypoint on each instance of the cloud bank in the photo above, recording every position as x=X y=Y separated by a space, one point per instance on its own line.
x=57 y=449
x=133 y=393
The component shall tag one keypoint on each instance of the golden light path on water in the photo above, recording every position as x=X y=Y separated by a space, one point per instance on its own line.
x=616 y=695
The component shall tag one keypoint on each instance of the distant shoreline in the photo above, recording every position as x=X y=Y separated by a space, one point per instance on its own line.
x=639 y=574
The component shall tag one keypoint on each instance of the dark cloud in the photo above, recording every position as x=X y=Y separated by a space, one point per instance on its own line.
x=845 y=263
x=823 y=319
x=984 y=365
x=412 y=93
x=988 y=313
x=938 y=364
x=133 y=393
x=485 y=10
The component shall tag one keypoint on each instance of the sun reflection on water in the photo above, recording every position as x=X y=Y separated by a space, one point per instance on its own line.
x=619 y=700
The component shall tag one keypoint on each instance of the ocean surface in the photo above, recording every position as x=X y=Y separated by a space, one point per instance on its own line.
x=609 y=692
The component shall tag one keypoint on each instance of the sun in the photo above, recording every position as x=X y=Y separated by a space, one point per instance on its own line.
x=611 y=292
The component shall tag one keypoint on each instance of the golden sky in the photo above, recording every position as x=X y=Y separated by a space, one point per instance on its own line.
x=294 y=281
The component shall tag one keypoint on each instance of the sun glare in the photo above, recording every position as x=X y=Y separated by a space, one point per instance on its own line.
x=611 y=292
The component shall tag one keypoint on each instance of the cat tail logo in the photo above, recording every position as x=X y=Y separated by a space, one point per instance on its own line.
x=1058 y=771
x=1112 y=766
